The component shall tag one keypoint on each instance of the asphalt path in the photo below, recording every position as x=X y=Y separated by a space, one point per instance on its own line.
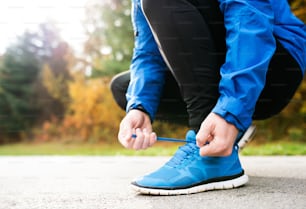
x=103 y=183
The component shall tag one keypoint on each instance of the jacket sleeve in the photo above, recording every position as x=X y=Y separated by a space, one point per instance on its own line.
x=250 y=46
x=147 y=67
x=290 y=31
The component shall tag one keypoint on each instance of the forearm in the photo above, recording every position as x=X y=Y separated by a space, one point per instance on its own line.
x=146 y=85
x=147 y=68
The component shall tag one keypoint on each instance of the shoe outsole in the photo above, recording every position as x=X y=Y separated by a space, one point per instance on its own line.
x=247 y=137
x=228 y=184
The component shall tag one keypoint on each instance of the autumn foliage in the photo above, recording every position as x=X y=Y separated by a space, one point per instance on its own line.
x=92 y=114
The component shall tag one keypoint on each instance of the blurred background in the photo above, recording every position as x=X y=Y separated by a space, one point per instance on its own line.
x=56 y=62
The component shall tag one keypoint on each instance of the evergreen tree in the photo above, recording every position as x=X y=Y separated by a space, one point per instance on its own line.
x=34 y=73
x=18 y=72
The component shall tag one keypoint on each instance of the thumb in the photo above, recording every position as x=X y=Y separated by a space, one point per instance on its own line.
x=204 y=136
x=208 y=150
x=125 y=134
x=217 y=147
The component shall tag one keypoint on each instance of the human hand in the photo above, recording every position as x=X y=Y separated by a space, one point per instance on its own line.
x=216 y=136
x=138 y=123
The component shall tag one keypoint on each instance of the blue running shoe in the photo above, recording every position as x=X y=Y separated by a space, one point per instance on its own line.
x=187 y=172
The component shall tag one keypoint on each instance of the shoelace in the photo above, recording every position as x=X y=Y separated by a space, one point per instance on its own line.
x=168 y=139
x=182 y=153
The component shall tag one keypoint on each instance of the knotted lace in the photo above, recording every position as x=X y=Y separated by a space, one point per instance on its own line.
x=183 y=153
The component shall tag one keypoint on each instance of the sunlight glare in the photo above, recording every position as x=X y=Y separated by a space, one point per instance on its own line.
x=16 y=16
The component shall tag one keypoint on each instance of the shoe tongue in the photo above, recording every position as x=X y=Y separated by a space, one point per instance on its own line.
x=185 y=150
x=191 y=136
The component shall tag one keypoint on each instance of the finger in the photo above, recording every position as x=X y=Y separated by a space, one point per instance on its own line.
x=138 y=141
x=124 y=137
x=125 y=130
x=216 y=148
x=204 y=136
x=153 y=138
x=209 y=139
x=146 y=141
x=131 y=140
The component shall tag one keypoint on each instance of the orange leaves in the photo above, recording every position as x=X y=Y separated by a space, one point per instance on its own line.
x=92 y=113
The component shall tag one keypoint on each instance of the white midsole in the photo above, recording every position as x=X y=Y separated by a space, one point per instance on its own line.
x=229 y=184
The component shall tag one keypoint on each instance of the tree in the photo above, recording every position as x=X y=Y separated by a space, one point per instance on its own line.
x=18 y=72
x=33 y=80
x=110 y=36
x=52 y=83
x=299 y=8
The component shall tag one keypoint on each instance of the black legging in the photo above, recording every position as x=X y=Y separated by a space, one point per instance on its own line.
x=192 y=38
x=188 y=33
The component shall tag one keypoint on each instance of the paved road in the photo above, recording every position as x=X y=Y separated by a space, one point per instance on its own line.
x=103 y=183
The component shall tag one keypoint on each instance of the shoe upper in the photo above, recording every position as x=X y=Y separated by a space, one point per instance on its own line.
x=187 y=168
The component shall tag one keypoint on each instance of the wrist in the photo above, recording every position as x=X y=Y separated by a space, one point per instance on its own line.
x=140 y=108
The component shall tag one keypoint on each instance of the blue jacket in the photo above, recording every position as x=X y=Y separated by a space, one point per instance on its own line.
x=252 y=28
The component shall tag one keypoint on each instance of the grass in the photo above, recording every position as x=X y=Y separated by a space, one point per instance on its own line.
x=160 y=149
x=276 y=148
x=22 y=149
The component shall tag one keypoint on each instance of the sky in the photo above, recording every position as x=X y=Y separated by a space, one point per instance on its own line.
x=16 y=16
